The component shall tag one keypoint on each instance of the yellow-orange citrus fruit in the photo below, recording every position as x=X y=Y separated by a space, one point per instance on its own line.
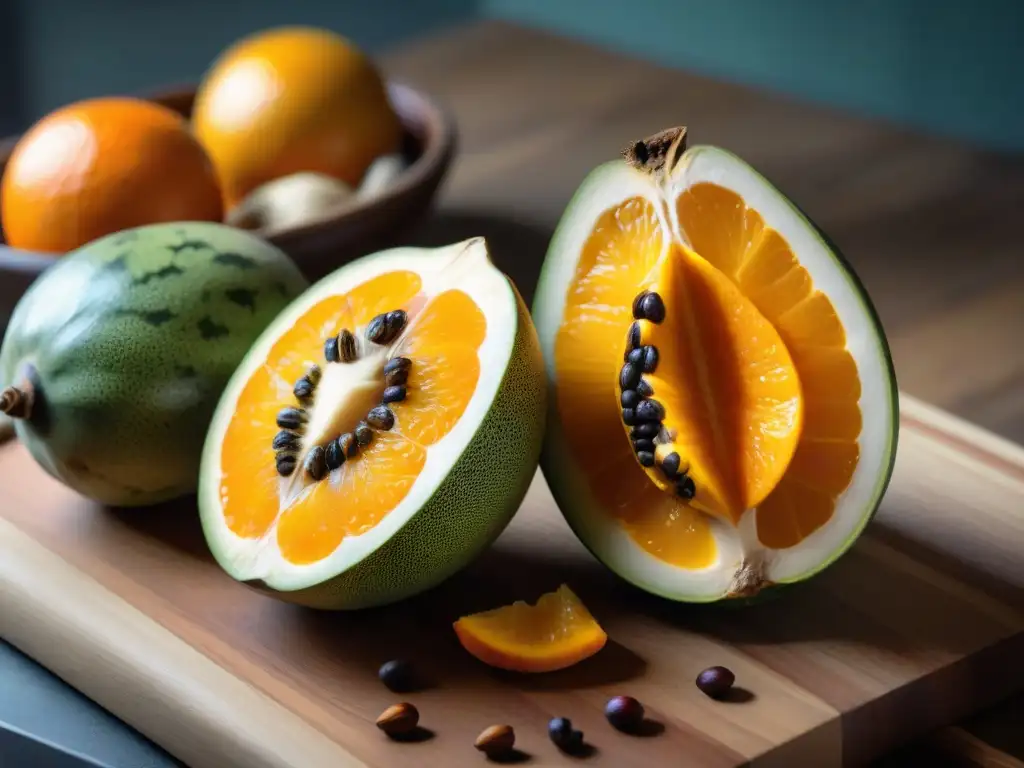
x=293 y=99
x=102 y=165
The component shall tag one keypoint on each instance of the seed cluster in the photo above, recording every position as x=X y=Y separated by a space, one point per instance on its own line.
x=342 y=348
x=640 y=411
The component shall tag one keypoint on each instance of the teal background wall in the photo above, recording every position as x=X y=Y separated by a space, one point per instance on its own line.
x=946 y=66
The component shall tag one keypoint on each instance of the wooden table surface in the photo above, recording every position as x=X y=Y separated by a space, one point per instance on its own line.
x=931 y=225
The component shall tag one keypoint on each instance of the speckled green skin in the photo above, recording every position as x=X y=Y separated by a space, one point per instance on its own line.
x=133 y=338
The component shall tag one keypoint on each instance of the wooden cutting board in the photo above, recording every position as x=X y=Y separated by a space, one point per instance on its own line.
x=921 y=623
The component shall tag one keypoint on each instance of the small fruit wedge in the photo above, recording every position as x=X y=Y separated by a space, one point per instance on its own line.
x=557 y=632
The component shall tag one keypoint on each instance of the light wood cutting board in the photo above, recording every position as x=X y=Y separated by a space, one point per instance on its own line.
x=921 y=623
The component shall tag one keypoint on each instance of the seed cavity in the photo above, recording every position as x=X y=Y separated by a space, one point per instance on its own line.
x=394 y=394
x=334 y=456
x=291 y=418
x=380 y=417
x=346 y=346
x=315 y=464
x=331 y=352
x=363 y=433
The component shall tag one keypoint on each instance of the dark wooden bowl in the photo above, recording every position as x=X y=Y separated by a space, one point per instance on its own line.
x=429 y=144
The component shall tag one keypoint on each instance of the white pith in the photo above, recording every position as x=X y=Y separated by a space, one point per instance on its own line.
x=608 y=186
x=465 y=266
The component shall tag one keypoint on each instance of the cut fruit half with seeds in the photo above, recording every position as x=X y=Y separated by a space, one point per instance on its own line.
x=406 y=450
x=723 y=412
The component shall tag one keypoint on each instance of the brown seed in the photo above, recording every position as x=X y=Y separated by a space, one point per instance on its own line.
x=496 y=740
x=314 y=374
x=363 y=433
x=331 y=352
x=399 y=719
x=380 y=417
x=348 y=445
x=285 y=440
x=291 y=418
x=346 y=346
x=393 y=394
x=315 y=464
x=285 y=464
x=396 y=377
x=334 y=456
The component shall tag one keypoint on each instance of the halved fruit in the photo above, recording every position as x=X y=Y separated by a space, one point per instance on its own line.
x=556 y=632
x=380 y=433
x=724 y=410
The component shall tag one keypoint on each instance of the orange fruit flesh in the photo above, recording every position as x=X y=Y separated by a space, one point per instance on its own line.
x=796 y=476
x=557 y=632
x=100 y=166
x=308 y=520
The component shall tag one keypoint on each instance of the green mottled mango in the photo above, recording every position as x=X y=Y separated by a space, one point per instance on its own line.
x=116 y=356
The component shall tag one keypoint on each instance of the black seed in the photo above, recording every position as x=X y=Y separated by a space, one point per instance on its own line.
x=291 y=418
x=644 y=389
x=397 y=364
x=643 y=444
x=331 y=354
x=346 y=346
x=629 y=376
x=685 y=487
x=394 y=394
x=636 y=356
x=285 y=439
x=380 y=417
x=670 y=464
x=649 y=410
x=638 y=310
x=633 y=337
x=396 y=320
x=648 y=430
x=349 y=445
x=628 y=417
x=562 y=734
x=314 y=374
x=716 y=682
x=651 y=308
x=363 y=433
x=650 y=361
x=646 y=458
x=315 y=463
x=285 y=464
x=303 y=389
x=398 y=675
x=629 y=398
x=396 y=378
x=334 y=456
x=624 y=713
x=377 y=329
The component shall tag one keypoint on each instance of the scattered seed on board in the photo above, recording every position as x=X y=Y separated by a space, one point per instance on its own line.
x=285 y=463
x=644 y=389
x=393 y=394
x=649 y=410
x=380 y=417
x=285 y=440
x=334 y=456
x=629 y=376
x=291 y=418
x=303 y=389
x=670 y=464
x=349 y=445
x=346 y=346
x=629 y=398
x=363 y=433
x=331 y=353
x=315 y=464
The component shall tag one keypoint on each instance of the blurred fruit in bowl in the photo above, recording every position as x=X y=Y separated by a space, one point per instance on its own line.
x=290 y=100
x=295 y=200
x=101 y=165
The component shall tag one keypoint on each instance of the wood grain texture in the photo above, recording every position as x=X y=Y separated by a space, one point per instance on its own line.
x=919 y=625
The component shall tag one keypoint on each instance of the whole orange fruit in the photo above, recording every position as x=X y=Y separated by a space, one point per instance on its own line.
x=288 y=100
x=102 y=165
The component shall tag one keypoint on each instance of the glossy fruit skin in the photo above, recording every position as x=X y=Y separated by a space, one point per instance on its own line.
x=624 y=713
x=293 y=99
x=100 y=166
x=129 y=343
x=716 y=682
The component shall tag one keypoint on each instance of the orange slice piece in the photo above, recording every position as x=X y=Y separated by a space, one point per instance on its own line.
x=556 y=632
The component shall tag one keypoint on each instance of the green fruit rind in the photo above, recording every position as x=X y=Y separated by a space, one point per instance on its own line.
x=454 y=521
x=132 y=339
x=567 y=483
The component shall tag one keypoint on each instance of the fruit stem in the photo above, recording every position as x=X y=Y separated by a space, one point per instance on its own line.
x=16 y=403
